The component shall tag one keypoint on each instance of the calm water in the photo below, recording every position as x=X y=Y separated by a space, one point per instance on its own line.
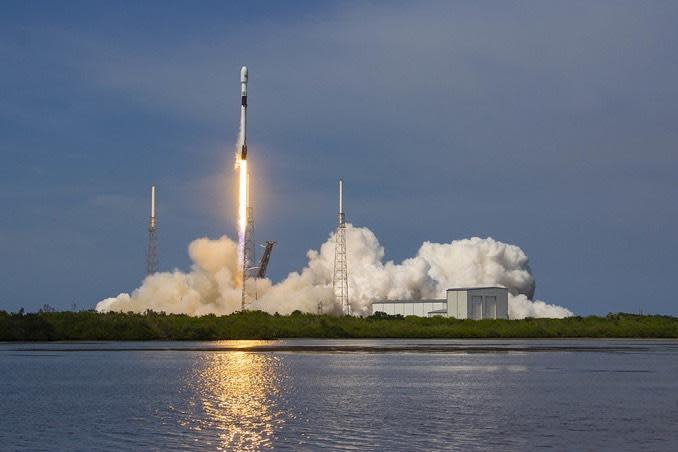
x=362 y=395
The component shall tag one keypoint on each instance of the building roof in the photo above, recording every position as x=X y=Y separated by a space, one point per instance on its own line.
x=476 y=288
x=436 y=300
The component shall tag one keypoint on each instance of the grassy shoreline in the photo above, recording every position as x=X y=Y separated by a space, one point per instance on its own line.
x=88 y=325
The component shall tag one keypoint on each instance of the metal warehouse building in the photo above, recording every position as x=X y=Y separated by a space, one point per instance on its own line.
x=462 y=303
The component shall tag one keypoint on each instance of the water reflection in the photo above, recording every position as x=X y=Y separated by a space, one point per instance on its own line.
x=239 y=395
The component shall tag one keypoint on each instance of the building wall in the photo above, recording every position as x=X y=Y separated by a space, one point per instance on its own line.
x=452 y=304
x=501 y=297
x=463 y=304
x=502 y=304
x=459 y=304
x=382 y=307
x=414 y=307
x=493 y=303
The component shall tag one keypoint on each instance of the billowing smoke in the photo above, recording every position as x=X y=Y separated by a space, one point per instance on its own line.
x=212 y=284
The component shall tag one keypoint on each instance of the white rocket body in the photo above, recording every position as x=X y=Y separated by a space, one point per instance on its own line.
x=243 y=114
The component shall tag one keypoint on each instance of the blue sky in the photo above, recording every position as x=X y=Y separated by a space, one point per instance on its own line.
x=550 y=125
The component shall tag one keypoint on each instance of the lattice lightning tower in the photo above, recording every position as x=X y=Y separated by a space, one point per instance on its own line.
x=152 y=261
x=340 y=279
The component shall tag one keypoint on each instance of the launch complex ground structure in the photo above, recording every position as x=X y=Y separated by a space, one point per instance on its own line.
x=249 y=270
x=246 y=236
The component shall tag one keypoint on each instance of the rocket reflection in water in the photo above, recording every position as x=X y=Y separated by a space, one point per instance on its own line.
x=239 y=392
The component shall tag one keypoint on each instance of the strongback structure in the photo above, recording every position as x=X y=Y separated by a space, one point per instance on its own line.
x=340 y=279
x=265 y=258
x=476 y=303
x=152 y=261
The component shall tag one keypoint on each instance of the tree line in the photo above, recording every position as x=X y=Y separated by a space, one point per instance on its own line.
x=47 y=325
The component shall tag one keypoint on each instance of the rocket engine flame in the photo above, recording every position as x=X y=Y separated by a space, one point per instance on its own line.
x=241 y=167
x=242 y=195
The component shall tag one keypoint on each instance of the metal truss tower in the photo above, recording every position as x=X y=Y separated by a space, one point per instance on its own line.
x=152 y=261
x=248 y=261
x=340 y=279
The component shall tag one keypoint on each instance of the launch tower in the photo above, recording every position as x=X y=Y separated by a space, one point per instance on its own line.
x=248 y=267
x=152 y=261
x=340 y=279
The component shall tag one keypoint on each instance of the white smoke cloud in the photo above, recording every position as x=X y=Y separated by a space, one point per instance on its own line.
x=211 y=285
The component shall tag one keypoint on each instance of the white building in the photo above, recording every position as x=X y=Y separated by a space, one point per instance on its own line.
x=462 y=303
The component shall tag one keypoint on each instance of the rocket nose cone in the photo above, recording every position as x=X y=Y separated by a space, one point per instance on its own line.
x=243 y=74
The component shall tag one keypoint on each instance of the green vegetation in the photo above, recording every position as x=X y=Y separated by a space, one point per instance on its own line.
x=53 y=326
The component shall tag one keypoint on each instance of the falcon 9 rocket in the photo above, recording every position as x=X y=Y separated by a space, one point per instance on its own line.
x=243 y=114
